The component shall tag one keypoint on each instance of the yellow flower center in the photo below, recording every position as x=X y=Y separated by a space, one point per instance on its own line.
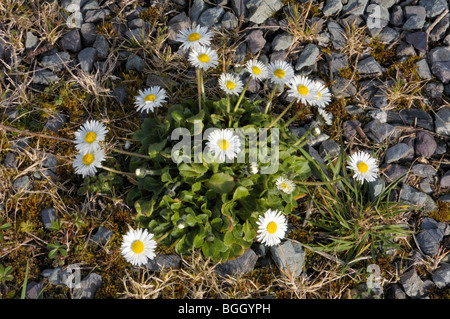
x=302 y=89
x=90 y=137
x=230 y=85
x=224 y=144
x=284 y=186
x=362 y=167
x=319 y=95
x=150 y=98
x=137 y=247
x=88 y=159
x=256 y=70
x=204 y=58
x=272 y=227
x=279 y=73
x=194 y=36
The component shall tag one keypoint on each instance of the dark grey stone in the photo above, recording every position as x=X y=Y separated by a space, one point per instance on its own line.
x=289 y=256
x=434 y=7
x=418 y=40
x=88 y=33
x=423 y=69
x=329 y=148
x=44 y=77
x=425 y=144
x=94 y=16
x=229 y=20
x=393 y=171
x=414 y=197
x=135 y=62
x=337 y=35
x=412 y=284
x=10 y=160
x=163 y=262
x=239 y=7
x=419 y=11
x=430 y=236
x=198 y=6
x=442 y=71
x=380 y=132
x=307 y=59
x=282 y=41
x=71 y=41
x=255 y=41
x=332 y=7
x=336 y=61
x=119 y=94
x=240 y=265
x=343 y=88
x=433 y=90
x=442 y=121
x=102 y=236
x=405 y=50
x=355 y=7
x=48 y=216
x=423 y=170
x=439 y=30
x=211 y=16
x=350 y=127
x=370 y=67
x=441 y=276
x=398 y=153
x=414 y=23
x=34 y=290
x=86 y=57
x=395 y=291
x=397 y=18
x=376 y=187
x=56 y=62
x=31 y=41
x=260 y=10
x=88 y=287
x=101 y=44
x=22 y=183
x=411 y=117
x=445 y=179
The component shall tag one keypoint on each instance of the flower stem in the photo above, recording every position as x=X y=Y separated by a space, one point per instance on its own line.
x=117 y=172
x=282 y=114
x=129 y=153
x=199 y=89
x=228 y=103
x=298 y=114
x=202 y=85
x=242 y=95
x=270 y=99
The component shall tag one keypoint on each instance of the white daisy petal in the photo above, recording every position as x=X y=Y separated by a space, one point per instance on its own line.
x=323 y=95
x=138 y=246
x=364 y=166
x=280 y=72
x=253 y=168
x=272 y=227
x=203 y=58
x=150 y=98
x=223 y=143
x=303 y=89
x=285 y=185
x=87 y=164
x=324 y=118
x=230 y=84
x=257 y=70
x=194 y=38
x=89 y=136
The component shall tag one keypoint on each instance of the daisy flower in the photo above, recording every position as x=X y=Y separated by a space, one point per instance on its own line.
x=285 y=185
x=203 y=58
x=223 y=143
x=87 y=164
x=253 y=168
x=88 y=137
x=230 y=84
x=194 y=38
x=303 y=89
x=324 y=118
x=138 y=246
x=280 y=72
x=323 y=95
x=271 y=227
x=364 y=166
x=257 y=69
x=150 y=98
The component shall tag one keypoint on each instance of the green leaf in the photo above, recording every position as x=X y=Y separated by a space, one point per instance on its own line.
x=192 y=170
x=155 y=148
x=240 y=193
x=144 y=207
x=221 y=183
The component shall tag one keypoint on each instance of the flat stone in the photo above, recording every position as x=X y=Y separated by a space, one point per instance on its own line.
x=86 y=57
x=307 y=59
x=377 y=18
x=239 y=7
x=433 y=90
x=135 y=62
x=411 y=117
x=434 y=7
x=398 y=153
x=418 y=40
x=56 y=62
x=332 y=7
x=329 y=148
x=430 y=236
x=88 y=33
x=395 y=291
x=22 y=183
x=229 y=21
x=102 y=236
x=289 y=256
x=211 y=16
x=414 y=197
x=71 y=41
x=94 y=16
x=412 y=284
x=376 y=187
x=388 y=35
x=44 y=77
x=101 y=44
x=255 y=41
x=355 y=7
x=392 y=172
x=419 y=11
x=423 y=70
x=423 y=170
x=397 y=18
x=343 y=88
x=198 y=6
x=380 y=132
x=282 y=41
x=425 y=144
x=350 y=128
x=119 y=94
x=240 y=265
x=55 y=121
x=48 y=216
x=336 y=60
x=260 y=10
x=34 y=290
x=414 y=23
x=75 y=20
x=440 y=29
x=441 y=276
x=370 y=67
x=163 y=262
x=88 y=287
x=442 y=121
x=445 y=180
x=337 y=35
x=31 y=41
